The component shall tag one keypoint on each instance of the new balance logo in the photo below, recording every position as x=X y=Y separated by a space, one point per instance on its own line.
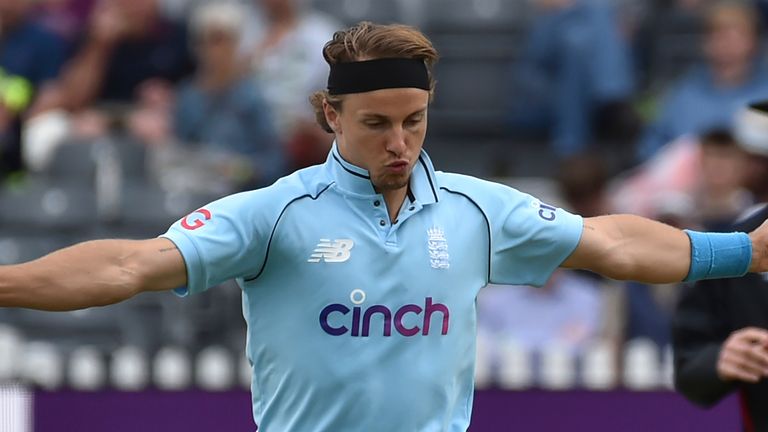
x=332 y=251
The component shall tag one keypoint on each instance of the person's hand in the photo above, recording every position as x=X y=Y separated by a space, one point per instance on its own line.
x=744 y=356
x=108 y=23
x=759 y=239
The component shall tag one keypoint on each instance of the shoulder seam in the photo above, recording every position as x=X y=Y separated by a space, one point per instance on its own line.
x=487 y=225
x=274 y=229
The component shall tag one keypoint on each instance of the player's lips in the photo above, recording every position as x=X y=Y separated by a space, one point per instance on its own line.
x=397 y=166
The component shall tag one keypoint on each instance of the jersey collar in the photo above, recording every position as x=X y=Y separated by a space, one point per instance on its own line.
x=357 y=181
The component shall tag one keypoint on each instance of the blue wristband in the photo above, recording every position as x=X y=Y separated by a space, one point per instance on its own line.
x=718 y=255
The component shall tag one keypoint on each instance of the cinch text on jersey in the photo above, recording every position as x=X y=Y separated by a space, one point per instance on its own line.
x=360 y=323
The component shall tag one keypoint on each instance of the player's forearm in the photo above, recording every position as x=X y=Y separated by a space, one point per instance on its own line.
x=89 y=274
x=84 y=76
x=658 y=253
x=639 y=249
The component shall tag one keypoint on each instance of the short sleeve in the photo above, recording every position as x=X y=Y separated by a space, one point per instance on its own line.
x=529 y=238
x=223 y=240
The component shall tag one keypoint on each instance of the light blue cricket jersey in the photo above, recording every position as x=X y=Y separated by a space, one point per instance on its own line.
x=357 y=324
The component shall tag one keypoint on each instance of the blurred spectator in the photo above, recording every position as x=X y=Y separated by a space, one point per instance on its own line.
x=751 y=132
x=130 y=48
x=129 y=59
x=566 y=312
x=762 y=6
x=286 y=51
x=701 y=173
x=582 y=182
x=720 y=197
x=222 y=111
x=734 y=74
x=720 y=326
x=692 y=183
x=664 y=41
x=30 y=56
x=672 y=170
x=648 y=308
x=573 y=309
x=575 y=75
x=630 y=310
x=66 y=18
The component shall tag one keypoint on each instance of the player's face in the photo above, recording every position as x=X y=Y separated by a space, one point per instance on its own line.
x=382 y=131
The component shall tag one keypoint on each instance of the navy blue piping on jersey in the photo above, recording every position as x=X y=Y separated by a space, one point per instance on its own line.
x=432 y=185
x=423 y=164
x=487 y=225
x=274 y=228
x=349 y=170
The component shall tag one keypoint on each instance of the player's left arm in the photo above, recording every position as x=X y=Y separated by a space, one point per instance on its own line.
x=627 y=247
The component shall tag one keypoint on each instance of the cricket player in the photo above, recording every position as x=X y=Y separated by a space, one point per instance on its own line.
x=359 y=275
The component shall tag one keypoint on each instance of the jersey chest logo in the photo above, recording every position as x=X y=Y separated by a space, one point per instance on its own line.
x=332 y=251
x=437 y=246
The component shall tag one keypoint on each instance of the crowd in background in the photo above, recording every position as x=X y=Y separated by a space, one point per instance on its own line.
x=216 y=85
x=207 y=98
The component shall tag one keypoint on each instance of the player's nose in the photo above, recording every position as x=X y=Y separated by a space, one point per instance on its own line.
x=396 y=142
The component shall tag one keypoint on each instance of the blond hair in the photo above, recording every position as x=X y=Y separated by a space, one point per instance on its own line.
x=369 y=41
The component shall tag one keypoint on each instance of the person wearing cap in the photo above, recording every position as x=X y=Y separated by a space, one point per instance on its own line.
x=221 y=114
x=359 y=275
x=720 y=327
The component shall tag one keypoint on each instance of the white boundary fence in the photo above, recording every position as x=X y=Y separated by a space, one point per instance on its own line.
x=15 y=408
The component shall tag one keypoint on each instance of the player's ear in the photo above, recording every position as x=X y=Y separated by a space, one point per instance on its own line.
x=332 y=117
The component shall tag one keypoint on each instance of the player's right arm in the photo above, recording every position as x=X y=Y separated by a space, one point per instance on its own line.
x=93 y=273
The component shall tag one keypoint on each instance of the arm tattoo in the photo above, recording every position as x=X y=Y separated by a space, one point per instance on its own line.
x=167 y=249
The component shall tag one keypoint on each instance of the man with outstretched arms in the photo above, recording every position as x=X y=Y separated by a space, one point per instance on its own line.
x=359 y=276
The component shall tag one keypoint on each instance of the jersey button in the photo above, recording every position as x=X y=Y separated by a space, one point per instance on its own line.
x=376 y=203
x=382 y=222
x=412 y=208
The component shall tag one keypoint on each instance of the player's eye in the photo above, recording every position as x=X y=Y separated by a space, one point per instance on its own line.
x=375 y=124
x=413 y=122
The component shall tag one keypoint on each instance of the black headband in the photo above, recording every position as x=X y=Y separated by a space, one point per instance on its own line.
x=369 y=75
